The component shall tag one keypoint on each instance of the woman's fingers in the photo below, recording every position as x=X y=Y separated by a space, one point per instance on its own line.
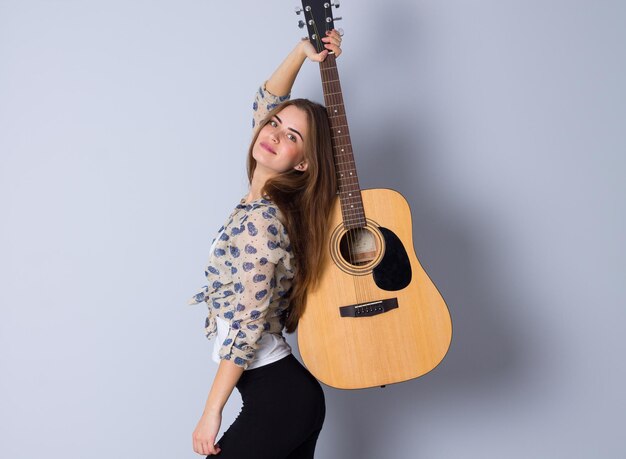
x=332 y=42
x=212 y=450
x=198 y=446
x=205 y=433
x=204 y=447
x=334 y=48
x=333 y=36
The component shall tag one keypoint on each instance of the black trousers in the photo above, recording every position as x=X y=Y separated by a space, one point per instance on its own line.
x=282 y=415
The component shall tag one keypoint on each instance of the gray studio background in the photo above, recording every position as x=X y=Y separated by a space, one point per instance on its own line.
x=123 y=132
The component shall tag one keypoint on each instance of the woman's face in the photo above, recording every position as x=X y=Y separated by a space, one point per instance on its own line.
x=280 y=144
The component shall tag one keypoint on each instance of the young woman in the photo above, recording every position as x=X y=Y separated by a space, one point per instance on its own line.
x=262 y=261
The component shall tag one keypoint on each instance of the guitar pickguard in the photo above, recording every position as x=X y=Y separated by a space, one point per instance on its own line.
x=394 y=270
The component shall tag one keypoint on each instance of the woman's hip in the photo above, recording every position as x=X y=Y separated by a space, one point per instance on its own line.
x=284 y=384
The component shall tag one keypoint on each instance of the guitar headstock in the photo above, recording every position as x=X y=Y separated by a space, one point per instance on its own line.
x=318 y=18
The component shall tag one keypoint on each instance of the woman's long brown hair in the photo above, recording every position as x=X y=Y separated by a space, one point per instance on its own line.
x=305 y=198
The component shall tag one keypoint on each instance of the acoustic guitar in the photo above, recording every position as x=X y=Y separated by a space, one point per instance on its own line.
x=375 y=317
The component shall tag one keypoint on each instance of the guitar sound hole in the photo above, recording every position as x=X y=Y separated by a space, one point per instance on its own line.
x=359 y=246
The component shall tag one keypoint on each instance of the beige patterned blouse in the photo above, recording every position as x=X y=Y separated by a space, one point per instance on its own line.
x=250 y=269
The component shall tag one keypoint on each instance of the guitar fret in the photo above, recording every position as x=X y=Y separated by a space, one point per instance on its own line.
x=354 y=213
x=351 y=205
x=354 y=221
x=353 y=217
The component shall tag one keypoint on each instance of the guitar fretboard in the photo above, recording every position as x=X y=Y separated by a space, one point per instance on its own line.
x=349 y=190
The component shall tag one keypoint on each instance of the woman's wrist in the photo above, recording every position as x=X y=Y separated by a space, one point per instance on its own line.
x=300 y=49
x=212 y=410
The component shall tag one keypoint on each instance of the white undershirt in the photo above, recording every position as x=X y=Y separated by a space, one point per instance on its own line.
x=271 y=348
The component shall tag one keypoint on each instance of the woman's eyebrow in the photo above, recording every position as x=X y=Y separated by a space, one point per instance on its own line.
x=291 y=129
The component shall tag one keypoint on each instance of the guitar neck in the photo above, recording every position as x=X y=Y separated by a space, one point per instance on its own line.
x=345 y=167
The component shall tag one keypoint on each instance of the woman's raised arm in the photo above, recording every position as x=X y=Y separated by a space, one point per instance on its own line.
x=277 y=88
x=281 y=81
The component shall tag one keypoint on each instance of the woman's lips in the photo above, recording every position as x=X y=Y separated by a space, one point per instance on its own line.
x=267 y=147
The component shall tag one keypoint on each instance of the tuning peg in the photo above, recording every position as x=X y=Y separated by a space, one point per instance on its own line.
x=301 y=23
x=336 y=4
x=338 y=18
x=298 y=9
x=340 y=30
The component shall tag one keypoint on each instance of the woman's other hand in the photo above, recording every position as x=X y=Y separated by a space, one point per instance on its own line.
x=205 y=433
x=332 y=42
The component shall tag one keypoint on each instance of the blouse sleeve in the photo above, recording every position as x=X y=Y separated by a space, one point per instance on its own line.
x=264 y=101
x=255 y=250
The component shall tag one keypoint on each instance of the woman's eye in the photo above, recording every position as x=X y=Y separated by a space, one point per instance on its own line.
x=292 y=137
x=273 y=123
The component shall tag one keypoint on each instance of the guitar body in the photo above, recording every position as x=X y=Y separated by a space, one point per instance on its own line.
x=379 y=320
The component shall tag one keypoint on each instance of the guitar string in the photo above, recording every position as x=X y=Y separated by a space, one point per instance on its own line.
x=330 y=94
x=334 y=98
x=332 y=85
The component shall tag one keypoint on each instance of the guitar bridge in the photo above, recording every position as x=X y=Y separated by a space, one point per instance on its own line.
x=368 y=309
